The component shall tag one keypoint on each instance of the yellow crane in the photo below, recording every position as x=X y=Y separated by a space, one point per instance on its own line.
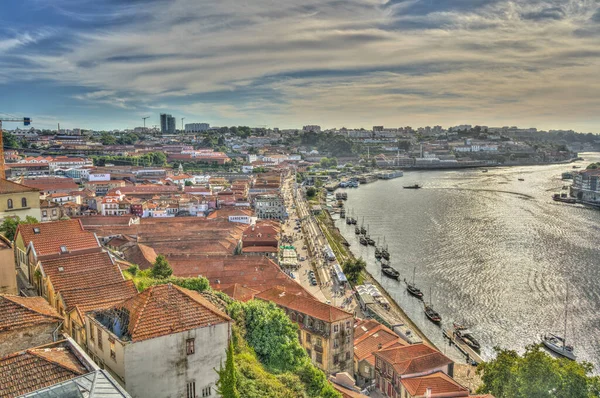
x=26 y=121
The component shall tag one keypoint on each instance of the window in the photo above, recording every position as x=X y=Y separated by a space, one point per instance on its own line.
x=100 y=339
x=308 y=337
x=63 y=249
x=347 y=355
x=300 y=335
x=54 y=212
x=45 y=213
x=189 y=346
x=335 y=328
x=191 y=390
x=207 y=391
x=347 y=324
x=113 y=355
x=319 y=358
x=23 y=202
x=9 y=204
x=319 y=342
x=367 y=369
x=91 y=333
x=336 y=343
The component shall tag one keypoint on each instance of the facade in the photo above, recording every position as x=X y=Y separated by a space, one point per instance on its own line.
x=160 y=352
x=167 y=124
x=8 y=272
x=196 y=127
x=586 y=186
x=270 y=207
x=312 y=127
x=393 y=366
x=26 y=322
x=326 y=332
x=18 y=200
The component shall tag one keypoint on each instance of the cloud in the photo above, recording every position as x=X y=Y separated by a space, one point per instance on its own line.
x=332 y=61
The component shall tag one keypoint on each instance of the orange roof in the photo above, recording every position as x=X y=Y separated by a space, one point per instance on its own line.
x=52 y=235
x=30 y=370
x=12 y=187
x=259 y=249
x=239 y=292
x=142 y=255
x=306 y=305
x=370 y=336
x=98 y=297
x=81 y=270
x=51 y=184
x=416 y=358
x=167 y=309
x=440 y=384
x=18 y=312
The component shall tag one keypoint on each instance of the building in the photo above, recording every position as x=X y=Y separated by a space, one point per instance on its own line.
x=8 y=272
x=167 y=124
x=371 y=336
x=196 y=127
x=26 y=322
x=96 y=384
x=163 y=342
x=270 y=207
x=18 y=200
x=261 y=239
x=40 y=367
x=103 y=187
x=326 y=332
x=437 y=384
x=312 y=127
x=51 y=185
x=586 y=186
x=394 y=365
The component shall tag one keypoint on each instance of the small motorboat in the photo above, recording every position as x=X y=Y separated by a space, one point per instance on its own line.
x=363 y=241
x=466 y=336
x=363 y=230
x=370 y=241
x=415 y=291
x=521 y=179
x=357 y=231
x=432 y=314
x=557 y=345
x=416 y=186
x=390 y=272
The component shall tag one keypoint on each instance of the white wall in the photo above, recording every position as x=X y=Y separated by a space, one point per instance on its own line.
x=160 y=367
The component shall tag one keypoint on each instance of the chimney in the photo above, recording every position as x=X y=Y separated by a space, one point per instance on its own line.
x=379 y=346
x=428 y=392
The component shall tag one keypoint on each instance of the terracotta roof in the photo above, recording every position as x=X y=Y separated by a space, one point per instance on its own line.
x=167 y=309
x=306 y=305
x=12 y=187
x=98 y=297
x=81 y=270
x=376 y=337
x=52 y=235
x=239 y=292
x=18 y=312
x=440 y=384
x=416 y=358
x=260 y=249
x=142 y=255
x=51 y=183
x=39 y=367
x=346 y=392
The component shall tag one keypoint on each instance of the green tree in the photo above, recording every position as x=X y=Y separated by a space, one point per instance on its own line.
x=161 y=268
x=189 y=184
x=107 y=139
x=536 y=374
x=353 y=268
x=311 y=192
x=10 y=224
x=226 y=385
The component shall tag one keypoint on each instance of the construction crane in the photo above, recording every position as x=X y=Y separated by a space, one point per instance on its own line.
x=144 y=119
x=26 y=121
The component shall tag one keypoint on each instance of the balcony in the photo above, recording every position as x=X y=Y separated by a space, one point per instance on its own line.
x=318 y=349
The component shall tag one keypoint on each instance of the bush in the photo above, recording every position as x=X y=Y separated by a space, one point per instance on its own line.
x=161 y=268
x=133 y=269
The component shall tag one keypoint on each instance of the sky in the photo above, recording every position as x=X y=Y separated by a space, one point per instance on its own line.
x=105 y=64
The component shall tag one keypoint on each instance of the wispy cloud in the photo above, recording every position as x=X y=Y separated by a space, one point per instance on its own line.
x=334 y=62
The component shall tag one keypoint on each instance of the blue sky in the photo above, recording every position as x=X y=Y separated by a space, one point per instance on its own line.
x=354 y=63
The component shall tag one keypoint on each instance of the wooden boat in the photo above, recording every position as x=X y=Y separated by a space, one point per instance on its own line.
x=416 y=186
x=412 y=288
x=432 y=314
x=363 y=241
x=390 y=272
x=466 y=336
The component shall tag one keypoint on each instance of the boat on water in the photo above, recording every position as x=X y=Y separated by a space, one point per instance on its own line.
x=576 y=167
x=353 y=221
x=558 y=344
x=432 y=314
x=363 y=230
x=390 y=272
x=348 y=220
x=521 y=179
x=363 y=241
x=466 y=336
x=484 y=171
x=357 y=230
x=370 y=241
x=416 y=186
x=377 y=253
x=412 y=288
x=563 y=198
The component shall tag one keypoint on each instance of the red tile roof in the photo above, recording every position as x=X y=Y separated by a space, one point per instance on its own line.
x=167 y=309
x=12 y=187
x=52 y=184
x=53 y=235
x=98 y=297
x=416 y=358
x=18 y=312
x=27 y=371
x=142 y=255
x=239 y=292
x=306 y=305
x=81 y=270
x=371 y=336
x=440 y=384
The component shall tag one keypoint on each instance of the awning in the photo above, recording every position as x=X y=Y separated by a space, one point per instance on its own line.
x=339 y=273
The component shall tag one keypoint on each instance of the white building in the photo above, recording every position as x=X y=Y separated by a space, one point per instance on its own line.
x=312 y=127
x=196 y=127
x=270 y=207
x=163 y=342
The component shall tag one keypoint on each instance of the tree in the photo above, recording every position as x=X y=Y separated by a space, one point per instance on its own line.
x=188 y=184
x=353 y=268
x=10 y=224
x=226 y=385
x=107 y=139
x=311 y=192
x=161 y=268
x=536 y=374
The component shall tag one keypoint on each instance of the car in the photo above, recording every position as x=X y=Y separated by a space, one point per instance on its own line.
x=313 y=282
x=292 y=275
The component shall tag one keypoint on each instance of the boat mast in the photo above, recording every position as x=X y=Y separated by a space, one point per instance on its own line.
x=566 y=313
x=414 y=272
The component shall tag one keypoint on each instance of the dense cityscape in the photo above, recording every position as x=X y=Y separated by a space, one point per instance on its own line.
x=127 y=252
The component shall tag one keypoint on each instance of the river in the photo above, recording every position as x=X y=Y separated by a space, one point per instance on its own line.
x=496 y=252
